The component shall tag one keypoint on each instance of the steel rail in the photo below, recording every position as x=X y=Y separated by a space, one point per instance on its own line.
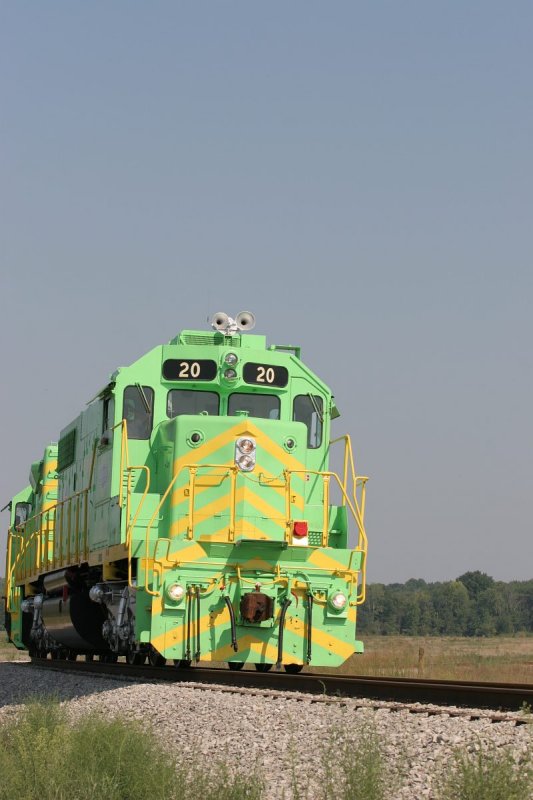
x=508 y=697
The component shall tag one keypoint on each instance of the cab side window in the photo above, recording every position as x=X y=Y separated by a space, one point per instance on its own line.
x=138 y=411
x=22 y=513
x=108 y=410
x=309 y=409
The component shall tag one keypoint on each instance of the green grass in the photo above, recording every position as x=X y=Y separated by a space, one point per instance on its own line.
x=487 y=775
x=44 y=756
x=350 y=766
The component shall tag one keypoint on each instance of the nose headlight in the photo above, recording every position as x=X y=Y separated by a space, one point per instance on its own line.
x=175 y=592
x=245 y=453
x=230 y=374
x=231 y=358
x=246 y=463
x=246 y=446
x=338 y=600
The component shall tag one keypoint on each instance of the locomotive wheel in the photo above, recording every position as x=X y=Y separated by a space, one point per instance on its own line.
x=235 y=665
x=156 y=659
x=135 y=658
x=293 y=669
x=263 y=667
x=108 y=658
x=182 y=663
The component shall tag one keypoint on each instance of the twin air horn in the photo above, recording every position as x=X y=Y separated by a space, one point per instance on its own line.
x=245 y=321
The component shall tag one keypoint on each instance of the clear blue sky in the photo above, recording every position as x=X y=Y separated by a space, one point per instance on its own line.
x=357 y=174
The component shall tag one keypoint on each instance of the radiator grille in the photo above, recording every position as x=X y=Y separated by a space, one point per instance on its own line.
x=66 y=450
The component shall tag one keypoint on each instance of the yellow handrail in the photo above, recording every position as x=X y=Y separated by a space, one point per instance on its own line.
x=193 y=468
x=131 y=525
x=356 y=507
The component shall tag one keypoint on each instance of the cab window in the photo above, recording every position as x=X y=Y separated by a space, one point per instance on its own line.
x=187 y=401
x=138 y=411
x=309 y=409
x=22 y=513
x=264 y=406
x=107 y=413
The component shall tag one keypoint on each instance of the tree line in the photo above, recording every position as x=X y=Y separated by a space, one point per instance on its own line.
x=472 y=605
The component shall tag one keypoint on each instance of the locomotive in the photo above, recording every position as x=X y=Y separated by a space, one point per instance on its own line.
x=187 y=515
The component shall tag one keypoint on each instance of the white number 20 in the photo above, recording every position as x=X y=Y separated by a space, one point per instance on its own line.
x=265 y=375
x=189 y=369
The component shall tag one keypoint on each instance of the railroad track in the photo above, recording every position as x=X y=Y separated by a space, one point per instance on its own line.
x=501 y=697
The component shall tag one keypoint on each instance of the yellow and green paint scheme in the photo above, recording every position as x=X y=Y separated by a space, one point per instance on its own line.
x=151 y=493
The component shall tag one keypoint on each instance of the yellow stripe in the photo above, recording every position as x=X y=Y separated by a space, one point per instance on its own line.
x=243 y=494
x=180 y=493
x=324 y=561
x=244 y=527
x=295 y=625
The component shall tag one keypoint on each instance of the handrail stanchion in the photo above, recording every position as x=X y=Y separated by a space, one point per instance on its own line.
x=325 y=527
x=192 y=479
x=232 y=504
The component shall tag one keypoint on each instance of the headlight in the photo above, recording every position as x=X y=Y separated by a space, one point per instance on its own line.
x=338 y=600
x=245 y=453
x=246 y=446
x=230 y=374
x=231 y=358
x=246 y=463
x=175 y=592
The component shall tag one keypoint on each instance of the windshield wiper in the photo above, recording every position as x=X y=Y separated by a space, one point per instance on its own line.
x=145 y=402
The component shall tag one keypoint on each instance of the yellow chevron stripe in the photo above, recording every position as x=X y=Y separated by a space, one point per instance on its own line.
x=264 y=650
x=325 y=561
x=243 y=527
x=216 y=619
x=244 y=427
x=221 y=504
x=180 y=494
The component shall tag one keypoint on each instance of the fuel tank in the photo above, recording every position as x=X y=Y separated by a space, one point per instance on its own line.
x=75 y=622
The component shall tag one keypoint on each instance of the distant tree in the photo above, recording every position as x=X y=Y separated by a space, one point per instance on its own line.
x=452 y=607
x=476 y=583
x=415 y=583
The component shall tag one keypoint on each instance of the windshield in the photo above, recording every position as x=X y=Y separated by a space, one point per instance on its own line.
x=187 y=401
x=265 y=406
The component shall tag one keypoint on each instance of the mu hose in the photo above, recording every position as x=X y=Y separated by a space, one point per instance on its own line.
x=232 y=621
x=282 y=616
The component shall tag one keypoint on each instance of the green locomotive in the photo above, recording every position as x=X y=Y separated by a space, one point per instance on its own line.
x=186 y=515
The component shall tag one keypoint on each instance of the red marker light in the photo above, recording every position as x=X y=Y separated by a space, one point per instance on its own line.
x=301 y=529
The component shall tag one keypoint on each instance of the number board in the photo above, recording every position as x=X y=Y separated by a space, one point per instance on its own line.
x=265 y=375
x=189 y=369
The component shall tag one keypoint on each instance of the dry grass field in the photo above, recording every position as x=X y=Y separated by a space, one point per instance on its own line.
x=505 y=659
x=10 y=653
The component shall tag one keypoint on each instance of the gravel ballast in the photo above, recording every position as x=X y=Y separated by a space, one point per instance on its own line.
x=275 y=732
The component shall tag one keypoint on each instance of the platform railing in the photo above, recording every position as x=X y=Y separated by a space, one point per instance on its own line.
x=349 y=487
